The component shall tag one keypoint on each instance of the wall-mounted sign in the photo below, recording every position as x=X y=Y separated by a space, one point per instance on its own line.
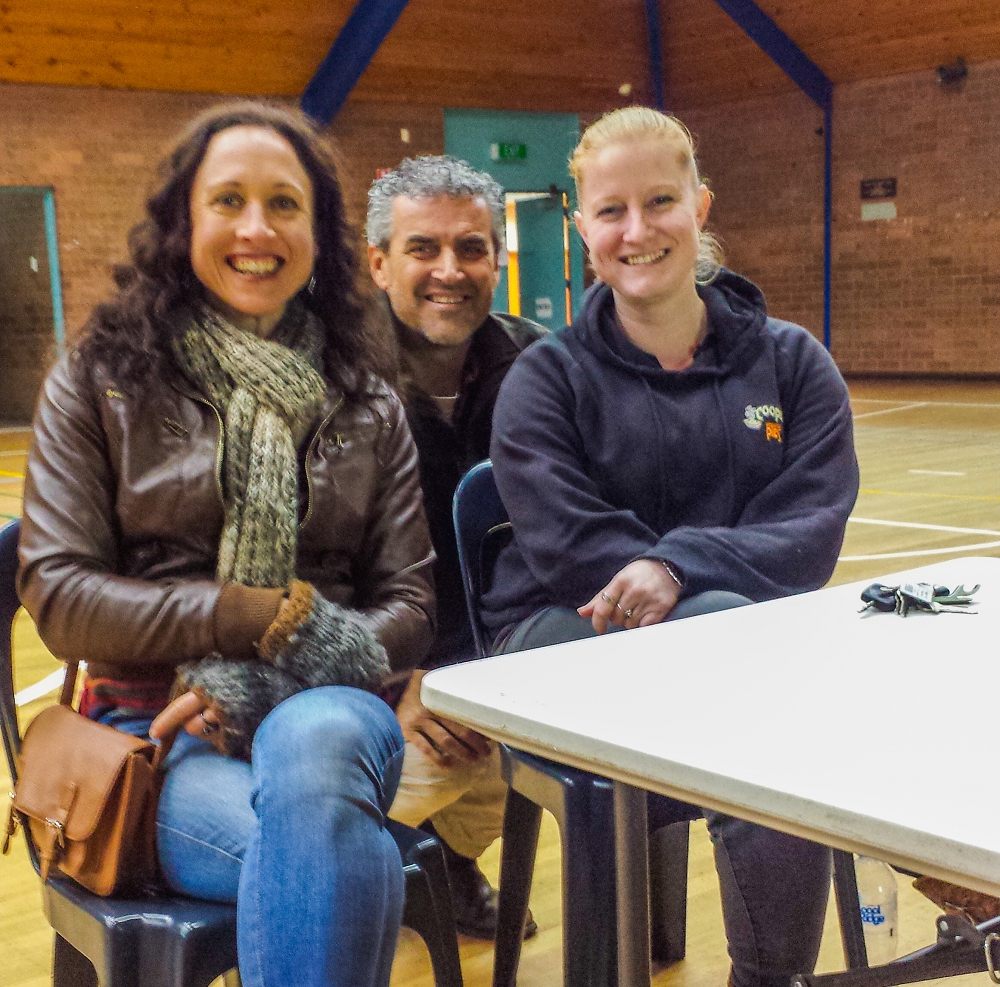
x=877 y=210
x=508 y=152
x=543 y=308
x=878 y=188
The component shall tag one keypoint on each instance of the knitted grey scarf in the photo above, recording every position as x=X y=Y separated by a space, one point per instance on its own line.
x=269 y=391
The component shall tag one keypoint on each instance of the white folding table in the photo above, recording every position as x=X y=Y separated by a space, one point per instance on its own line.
x=801 y=714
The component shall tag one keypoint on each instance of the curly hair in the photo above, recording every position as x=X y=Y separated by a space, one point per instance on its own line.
x=425 y=178
x=636 y=123
x=132 y=334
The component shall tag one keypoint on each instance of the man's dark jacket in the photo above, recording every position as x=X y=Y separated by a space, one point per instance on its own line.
x=447 y=450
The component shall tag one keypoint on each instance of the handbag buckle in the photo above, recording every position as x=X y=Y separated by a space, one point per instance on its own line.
x=11 y=828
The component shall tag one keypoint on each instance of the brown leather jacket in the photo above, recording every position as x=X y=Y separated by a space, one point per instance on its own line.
x=123 y=511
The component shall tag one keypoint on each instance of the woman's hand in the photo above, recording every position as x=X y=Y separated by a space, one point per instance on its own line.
x=442 y=740
x=641 y=594
x=194 y=713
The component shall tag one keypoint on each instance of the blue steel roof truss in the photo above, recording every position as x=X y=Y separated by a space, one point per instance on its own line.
x=352 y=51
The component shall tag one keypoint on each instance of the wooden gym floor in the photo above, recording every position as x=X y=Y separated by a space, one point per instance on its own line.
x=930 y=489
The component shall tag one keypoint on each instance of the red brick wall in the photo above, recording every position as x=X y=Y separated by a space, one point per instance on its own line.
x=98 y=149
x=916 y=295
x=919 y=294
x=763 y=161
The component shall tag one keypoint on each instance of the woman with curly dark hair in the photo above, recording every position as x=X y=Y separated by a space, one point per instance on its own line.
x=222 y=517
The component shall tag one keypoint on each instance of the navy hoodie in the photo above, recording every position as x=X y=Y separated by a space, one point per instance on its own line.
x=739 y=469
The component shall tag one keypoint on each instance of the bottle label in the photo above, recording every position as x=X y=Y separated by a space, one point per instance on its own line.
x=872 y=914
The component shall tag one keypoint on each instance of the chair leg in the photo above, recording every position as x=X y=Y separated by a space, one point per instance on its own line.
x=590 y=917
x=70 y=968
x=521 y=824
x=429 y=914
x=668 y=872
x=852 y=932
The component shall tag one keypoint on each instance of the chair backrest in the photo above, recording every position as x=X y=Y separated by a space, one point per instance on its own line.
x=482 y=528
x=9 y=604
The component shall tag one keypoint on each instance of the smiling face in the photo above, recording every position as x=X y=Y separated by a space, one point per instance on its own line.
x=252 y=244
x=640 y=214
x=440 y=268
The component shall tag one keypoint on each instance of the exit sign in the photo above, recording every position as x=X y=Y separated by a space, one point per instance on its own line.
x=508 y=152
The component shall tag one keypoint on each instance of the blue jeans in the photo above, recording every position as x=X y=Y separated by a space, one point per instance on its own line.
x=297 y=839
x=774 y=886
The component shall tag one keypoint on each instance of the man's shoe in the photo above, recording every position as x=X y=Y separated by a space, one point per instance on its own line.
x=473 y=901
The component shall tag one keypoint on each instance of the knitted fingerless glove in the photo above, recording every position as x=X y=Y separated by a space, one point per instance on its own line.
x=321 y=643
x=313 y=642
x=243 y=693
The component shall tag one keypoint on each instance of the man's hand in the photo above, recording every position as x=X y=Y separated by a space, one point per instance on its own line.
x=641 y=594
x=442 y=740
x=194 y=713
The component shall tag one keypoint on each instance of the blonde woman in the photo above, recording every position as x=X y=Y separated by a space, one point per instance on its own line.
x=675 y=451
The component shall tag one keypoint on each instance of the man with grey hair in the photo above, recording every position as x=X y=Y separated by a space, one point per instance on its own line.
x=435 y=229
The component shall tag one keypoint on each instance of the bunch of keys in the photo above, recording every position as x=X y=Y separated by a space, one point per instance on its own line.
x=917 y=596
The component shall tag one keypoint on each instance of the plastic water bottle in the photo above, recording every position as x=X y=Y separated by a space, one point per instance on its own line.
x=879 y=909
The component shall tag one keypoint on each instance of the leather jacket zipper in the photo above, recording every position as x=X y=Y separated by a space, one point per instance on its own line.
x=218 y=442
x=309 y=458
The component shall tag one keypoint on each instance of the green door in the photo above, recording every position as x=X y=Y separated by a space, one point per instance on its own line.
x=31 y=311
x=542 y=260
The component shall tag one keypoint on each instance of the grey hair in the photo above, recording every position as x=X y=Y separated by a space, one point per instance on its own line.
x=424 y=178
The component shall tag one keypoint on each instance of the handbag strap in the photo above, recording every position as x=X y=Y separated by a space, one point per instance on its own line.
x=69 y=683
x=66 y=699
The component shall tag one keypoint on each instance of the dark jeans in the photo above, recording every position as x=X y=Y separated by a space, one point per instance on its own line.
x=774 y=887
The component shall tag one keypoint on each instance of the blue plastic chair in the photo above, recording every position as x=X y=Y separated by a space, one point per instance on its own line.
x=581 y=803
x=169 y=940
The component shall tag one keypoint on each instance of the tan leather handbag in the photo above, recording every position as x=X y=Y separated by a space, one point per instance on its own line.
x=88 y=794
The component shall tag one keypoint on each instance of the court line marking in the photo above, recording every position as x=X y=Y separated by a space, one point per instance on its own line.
x=925 y=527
x=880 y=400
x=49 y=684
x=936 y=404
x=14 y=452
x=930 y=551
x=889 y=411
x=937 y=473
x=936 y=496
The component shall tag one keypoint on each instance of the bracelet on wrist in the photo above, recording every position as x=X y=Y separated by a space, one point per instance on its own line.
x=673 y=572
